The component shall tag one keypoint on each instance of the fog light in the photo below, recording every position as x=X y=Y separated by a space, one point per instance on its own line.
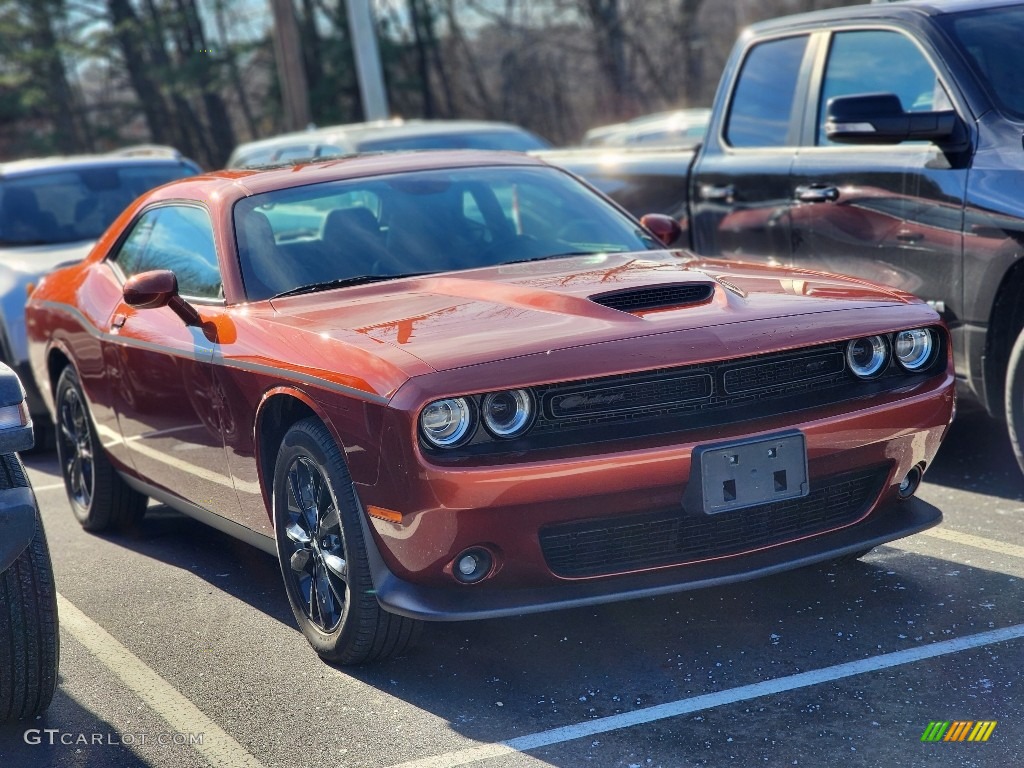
x=908 y=486
x=472 y=565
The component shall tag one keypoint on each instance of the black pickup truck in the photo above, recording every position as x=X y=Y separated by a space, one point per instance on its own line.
x=882 y=141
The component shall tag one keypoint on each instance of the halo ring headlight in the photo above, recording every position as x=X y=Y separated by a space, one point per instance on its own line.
x=868 y=357
x=508 y=413
x=915 y=349
x=447 y=423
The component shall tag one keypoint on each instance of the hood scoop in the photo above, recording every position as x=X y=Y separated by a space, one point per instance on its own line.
x=654 y=297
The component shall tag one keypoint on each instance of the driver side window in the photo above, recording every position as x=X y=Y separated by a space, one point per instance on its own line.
x=879 y=61
x=178 y=238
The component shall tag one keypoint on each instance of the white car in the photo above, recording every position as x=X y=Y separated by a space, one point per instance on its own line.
x=52 y=211
x=383 y=136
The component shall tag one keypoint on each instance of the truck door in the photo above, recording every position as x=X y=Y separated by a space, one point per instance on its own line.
x=740 y=186
x=888 y=213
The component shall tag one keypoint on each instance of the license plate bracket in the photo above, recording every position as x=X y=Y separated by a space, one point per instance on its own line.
x=749 y=473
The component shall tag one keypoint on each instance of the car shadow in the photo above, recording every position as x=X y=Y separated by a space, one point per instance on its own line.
x=977 y=456
x=67 y=734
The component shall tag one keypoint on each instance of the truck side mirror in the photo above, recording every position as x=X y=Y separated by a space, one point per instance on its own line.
x=879 y=118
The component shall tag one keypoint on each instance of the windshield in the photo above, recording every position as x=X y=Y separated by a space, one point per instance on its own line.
x=990 y=40
x=421 y=223
x=64 y=206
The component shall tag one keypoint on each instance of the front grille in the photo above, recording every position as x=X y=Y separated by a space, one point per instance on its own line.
x=717 y=393
x=655 y=297
x=674 y=537
x=751 y=377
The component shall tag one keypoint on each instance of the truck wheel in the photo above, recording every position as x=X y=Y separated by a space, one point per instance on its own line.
x=323 y=557
x=29 y=640
x=99 y=497
x=1014 y=399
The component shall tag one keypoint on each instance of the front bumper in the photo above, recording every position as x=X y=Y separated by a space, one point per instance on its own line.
x=509 y=508
x=897 y=520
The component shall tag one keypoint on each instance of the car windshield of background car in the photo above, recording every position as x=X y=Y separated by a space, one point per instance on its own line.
x=422 y=222
x=66 y=206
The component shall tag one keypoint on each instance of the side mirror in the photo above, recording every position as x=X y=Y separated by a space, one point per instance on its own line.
x=879 y=118
x=159 y=288
x=664 y=228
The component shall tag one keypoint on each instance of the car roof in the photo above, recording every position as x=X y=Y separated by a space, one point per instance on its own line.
x=231 y=185
x=882 y=10
x=29 y=166
x=347 y=135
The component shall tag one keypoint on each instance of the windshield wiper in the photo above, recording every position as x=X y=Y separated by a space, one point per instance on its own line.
x=341 y=283
x=551 y=256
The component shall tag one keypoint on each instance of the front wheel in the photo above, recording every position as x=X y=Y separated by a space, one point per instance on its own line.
x=323 y=556
x=1014 y=399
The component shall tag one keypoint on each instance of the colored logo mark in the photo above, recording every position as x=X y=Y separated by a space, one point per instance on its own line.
x=958 y=730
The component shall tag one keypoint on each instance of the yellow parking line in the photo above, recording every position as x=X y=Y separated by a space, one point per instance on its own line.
x=978 y=542
x=217 y=747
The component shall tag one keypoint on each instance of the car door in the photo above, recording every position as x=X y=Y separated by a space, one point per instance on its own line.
x=890 y=213
x=168 y=404
x=740 y=187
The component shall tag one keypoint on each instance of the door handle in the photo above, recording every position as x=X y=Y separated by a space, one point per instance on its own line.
x=817 y=193
x=909 y=236
x=713 y=194
x=118 y=321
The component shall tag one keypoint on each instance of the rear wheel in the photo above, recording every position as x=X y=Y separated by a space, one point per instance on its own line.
x=1014 y=399
x=323 y=555
x=29 y=640
x=100 y=498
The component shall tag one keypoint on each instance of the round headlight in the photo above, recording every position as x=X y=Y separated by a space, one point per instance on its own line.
x=446 y=423
x=509 y=413
x=867 y=357
x=914 y=348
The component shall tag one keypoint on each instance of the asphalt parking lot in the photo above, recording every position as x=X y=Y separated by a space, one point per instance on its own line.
x=179 y=649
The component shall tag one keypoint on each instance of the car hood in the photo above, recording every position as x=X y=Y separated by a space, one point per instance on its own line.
x=457 y=319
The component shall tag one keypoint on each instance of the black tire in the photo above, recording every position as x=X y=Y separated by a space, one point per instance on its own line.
x=29 y=639
x=99 y=497
x=323 y=556
x=1014 y=399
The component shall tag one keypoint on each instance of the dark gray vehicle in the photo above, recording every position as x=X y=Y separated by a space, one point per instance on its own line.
x=29 y=641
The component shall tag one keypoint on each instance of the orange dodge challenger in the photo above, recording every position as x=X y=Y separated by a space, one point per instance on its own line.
x=458 y=385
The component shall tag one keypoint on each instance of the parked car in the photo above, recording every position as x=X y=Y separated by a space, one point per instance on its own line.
x=460 y=385
x=383 y=136
x=52 y=210
x=678 y=128
x=29 y=640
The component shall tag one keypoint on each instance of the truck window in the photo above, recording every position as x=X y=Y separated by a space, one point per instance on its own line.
x=762 y=101
x=990 y=39
x=879 y=61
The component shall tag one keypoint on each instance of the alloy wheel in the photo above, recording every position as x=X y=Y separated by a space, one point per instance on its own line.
x=318 y=562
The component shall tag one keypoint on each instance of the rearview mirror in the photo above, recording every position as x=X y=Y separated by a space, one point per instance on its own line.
x=879 y=118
